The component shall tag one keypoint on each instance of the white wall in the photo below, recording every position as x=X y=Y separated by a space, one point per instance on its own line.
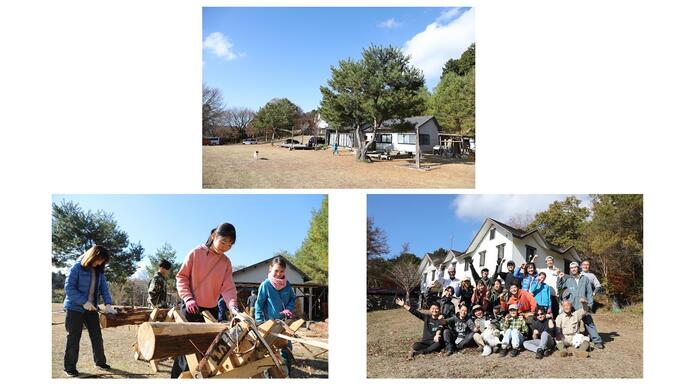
x=490 y=246
x=259 y=273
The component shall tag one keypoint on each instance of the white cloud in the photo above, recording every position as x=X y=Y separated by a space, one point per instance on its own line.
x=502 y=207
x=221 y=46
x=448 y=14
x=390 y=23
x=447 y=37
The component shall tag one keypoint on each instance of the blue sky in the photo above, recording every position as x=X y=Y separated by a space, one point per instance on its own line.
x=265 y=223
x=428 y=222
x=256 y=54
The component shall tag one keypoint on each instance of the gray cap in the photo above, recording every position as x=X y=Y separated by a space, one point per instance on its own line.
x=513 y=307
x=574 y=264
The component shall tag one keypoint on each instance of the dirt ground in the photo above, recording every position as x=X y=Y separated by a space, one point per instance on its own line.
x=233 y=166
x=390 y=334
x=118 y=343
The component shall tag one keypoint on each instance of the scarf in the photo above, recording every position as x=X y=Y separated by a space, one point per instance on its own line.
x=278 y=284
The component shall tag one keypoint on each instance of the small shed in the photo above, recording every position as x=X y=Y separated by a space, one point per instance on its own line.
x=311 y=297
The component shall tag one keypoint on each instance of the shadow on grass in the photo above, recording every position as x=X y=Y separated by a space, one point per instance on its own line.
x=608 y=337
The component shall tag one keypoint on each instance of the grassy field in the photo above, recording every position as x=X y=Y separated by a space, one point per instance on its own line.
x=118 y=343
x=390 y=334
x=233 y=166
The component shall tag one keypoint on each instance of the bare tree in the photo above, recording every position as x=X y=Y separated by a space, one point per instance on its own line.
x=212 y=109
x=239 y=119
x=404 y=274
x=377 y=241
x=521 y=221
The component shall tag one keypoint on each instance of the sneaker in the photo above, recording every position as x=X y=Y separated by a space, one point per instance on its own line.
x=599 y=345
x=540 y=354
x=514 y=352
x=563 y=353
x=548 y=352
x=72 y=373
x=410 y=355
x=504 y=352
x=103 y=367
x=449 y=352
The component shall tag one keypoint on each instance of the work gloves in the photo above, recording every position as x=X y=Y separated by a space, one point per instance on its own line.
x=88 y=306
x=110 y=310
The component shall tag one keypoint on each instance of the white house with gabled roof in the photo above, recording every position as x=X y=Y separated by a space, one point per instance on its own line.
x=497 y=240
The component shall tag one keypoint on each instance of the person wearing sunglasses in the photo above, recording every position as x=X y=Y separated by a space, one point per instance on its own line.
x=542 y=330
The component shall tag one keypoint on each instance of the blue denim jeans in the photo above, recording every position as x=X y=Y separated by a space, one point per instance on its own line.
x=591 y=329
x=513 y=337
x=544 y=342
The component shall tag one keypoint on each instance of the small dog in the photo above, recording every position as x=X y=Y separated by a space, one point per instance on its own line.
x=256 y=155
x=490 y=337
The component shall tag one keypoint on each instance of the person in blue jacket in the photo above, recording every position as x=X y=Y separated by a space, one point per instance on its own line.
x=276 y=300
x=529 y=277
x=85 y=282
x=542 y=293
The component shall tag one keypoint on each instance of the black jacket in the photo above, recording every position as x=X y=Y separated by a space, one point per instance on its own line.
x=431 y=326
x=447 y=307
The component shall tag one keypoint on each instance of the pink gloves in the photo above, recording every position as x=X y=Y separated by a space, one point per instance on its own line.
x=287 y=313
x=191 y=306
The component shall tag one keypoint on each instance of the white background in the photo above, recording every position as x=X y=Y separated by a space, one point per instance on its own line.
x=572 y=96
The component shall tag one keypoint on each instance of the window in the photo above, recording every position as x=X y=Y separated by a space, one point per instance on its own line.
x=407 y=138
x=467 y=265
x=433 y=273
x=492 y=233
x=384 y=138
x=501 y=250
x=530 y=251
x=482 y=258
x=424 y=139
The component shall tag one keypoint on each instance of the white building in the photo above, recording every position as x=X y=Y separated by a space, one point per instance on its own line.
x=497 y=240
x=257 y=273
x=393 y=135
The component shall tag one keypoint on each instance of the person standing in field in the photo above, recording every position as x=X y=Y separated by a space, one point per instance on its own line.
x=276 y=300
x=551 y=279
x=251 y=302
x=206 y=273
x=578 y=290
x=85 y=282
x=158 y=286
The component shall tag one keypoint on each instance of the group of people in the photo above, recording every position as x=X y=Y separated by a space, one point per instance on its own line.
x=541 y=311
x=204 y=283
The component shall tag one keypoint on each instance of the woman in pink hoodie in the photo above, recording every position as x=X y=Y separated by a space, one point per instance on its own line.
x=206 y=273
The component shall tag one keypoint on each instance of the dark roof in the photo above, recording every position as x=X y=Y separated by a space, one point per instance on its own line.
x=435 y=259
x=405 y=124
x=456 y=253
x=515 y=231
x=519 y=233
x=299 y=271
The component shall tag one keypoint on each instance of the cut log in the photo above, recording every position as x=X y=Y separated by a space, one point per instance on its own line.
x=121 y=319
x=168 y=339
